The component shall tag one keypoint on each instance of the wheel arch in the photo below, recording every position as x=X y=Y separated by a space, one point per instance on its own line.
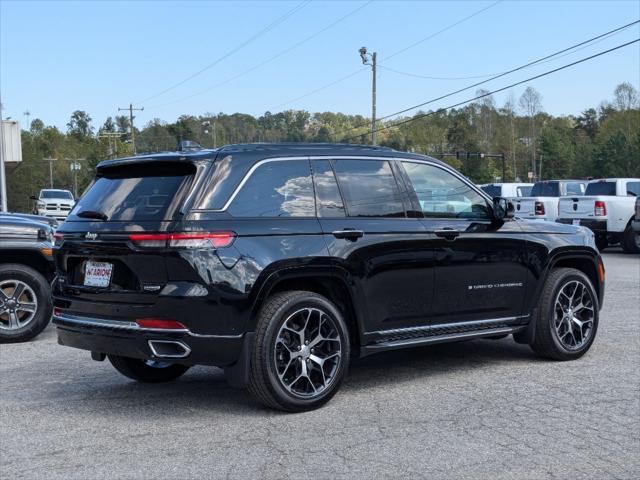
x=29 y=258
x=328 y=282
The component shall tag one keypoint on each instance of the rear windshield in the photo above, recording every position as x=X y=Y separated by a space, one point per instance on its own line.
x=137 y=192
x=524 y=191
x=546 y=189
x=492 y=190
x=601 y=188
x=56 y=194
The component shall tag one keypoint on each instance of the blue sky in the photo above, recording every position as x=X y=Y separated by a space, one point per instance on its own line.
x=56 y=57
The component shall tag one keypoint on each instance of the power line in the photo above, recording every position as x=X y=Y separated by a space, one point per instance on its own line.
x=266 y=29
x=521 y=67
x=402 y=50
x=432 y=77
x=549 y=72
x=270 y=59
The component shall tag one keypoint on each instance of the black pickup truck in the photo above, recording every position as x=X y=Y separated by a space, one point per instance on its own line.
x=26 y=271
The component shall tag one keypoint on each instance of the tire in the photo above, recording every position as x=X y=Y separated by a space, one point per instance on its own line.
x=557 y=324
x=29 y=313
x=602 y=242
x=278 y=367
x=144 y=371
x=630 y=240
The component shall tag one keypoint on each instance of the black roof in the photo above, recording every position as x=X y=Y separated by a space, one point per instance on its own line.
x=265 y=150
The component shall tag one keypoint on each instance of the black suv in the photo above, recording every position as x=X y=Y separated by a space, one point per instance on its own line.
x=280 y=263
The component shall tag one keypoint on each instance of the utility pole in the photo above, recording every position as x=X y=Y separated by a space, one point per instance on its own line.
x=50 y=160
x=133 y=130
x=27 y=114
x=371 y=59
x=206 y=124
x=3 y=178
x=113 y=150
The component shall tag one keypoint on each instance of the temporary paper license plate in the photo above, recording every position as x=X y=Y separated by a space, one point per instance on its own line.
x=97 y=274
x=576 y=221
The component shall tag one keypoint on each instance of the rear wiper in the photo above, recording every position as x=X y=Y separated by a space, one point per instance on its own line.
x=92 y=214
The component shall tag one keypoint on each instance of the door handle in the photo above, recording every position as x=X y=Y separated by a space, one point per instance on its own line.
x=447 y=233
x=348 y=233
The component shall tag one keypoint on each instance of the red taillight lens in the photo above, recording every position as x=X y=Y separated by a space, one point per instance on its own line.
x=183 y=240
x=57 y=312
x=599 y=209
x=160 y=324
x=539 y=208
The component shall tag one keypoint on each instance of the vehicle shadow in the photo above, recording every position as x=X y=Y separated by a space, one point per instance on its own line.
x=205 y=388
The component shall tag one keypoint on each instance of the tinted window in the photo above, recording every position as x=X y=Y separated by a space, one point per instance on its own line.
x=492 y=190
x=575 y=188
x=328 y=200
x=633 y=188
x=524 y=191
x=546 y=189
x=276 y=189
x=56 y=194
x=441 y=194
x=601 y=188
x=137 y=193
x=369 y=188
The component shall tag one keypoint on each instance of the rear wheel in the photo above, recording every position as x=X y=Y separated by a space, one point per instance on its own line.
x=631 y=240
x=147 y=371
x=567 y=317
x=301 y=352
x=25 y=303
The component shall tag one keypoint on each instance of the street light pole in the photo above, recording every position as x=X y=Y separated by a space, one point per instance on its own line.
x=133 y=130
x=371 y=59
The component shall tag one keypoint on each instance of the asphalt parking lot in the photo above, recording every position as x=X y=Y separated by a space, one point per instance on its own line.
x=480 y=409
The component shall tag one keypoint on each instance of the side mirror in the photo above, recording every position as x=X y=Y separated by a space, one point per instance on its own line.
x=503 y=209
x=33 y=197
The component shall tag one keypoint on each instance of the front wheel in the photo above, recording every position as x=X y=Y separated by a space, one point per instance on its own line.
x=301 y=352
x=567 y=317
x=147 y=371
x=25 y=303
x=631 y=240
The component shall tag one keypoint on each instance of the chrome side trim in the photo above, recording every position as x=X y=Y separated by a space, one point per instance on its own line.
x=122 y=325
x=439 y=326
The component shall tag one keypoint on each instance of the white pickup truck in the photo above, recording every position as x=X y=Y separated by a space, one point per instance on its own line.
x=507 y=190
x=53 y=202
x=542 y=202
x=607 y=208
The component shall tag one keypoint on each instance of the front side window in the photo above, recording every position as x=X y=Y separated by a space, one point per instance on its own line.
x=369 y=188
x=575 y=188
x=276 y=189
x=524 y=191
x=442 y=195
x=633 y=188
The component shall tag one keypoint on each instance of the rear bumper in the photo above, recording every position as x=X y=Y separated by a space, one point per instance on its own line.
x=596 y=226
x=127 y=339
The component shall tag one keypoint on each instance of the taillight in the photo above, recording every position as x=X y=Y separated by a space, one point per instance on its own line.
x=183 y=240
x=57 y=312
x=539 y=208
x=160 y=324
x=599 y=209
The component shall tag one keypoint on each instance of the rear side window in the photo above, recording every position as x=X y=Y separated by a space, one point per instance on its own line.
x=546 y=189
x=328 y=199
x=276 y=189
x=633 y=188
x=369 y=188
x=492 y=190
x=601 y=188
x=137 y=192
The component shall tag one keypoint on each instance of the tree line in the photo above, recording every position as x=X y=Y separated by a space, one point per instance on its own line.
x=603 y=141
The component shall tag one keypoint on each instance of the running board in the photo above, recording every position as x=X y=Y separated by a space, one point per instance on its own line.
x=382 y=345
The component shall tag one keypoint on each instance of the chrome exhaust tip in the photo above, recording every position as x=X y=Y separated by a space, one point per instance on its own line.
x=168 y=349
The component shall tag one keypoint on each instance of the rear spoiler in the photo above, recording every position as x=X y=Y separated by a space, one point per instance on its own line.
x=202 y=155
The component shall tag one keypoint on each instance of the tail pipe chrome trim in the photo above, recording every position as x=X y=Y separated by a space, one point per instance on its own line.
x=169 y=349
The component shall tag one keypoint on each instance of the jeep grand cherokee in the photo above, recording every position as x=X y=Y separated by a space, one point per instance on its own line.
x=280 y=263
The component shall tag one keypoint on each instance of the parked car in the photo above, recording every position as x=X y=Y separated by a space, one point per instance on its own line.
x=507 y=190
x=280 y=263
x=54 y=203
x=26 y=270
x=635 y=223
x=607 y=208
x=542 y=204
x=52 y=222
